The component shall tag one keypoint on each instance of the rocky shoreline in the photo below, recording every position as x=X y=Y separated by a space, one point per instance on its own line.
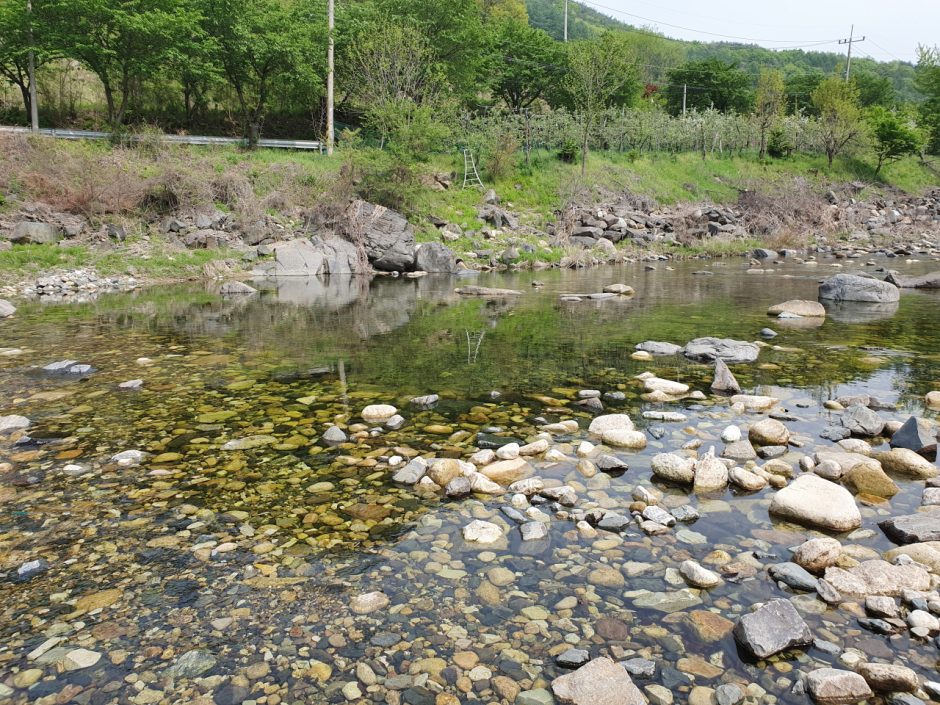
x=569 y=550
x=364 y=238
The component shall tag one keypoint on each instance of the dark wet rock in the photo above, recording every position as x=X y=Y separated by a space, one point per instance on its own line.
x=862 y=421
x=794 y=576
x=724 y=381
x=230 y=694
x=852 y=287
x=573 y=658
x=611 y=464
x=832 y=686
x=730 y=351
x=913 y=528
x=599 y=681
x=385 y=639
x=878 y=626
x=918 y=435
x=773 y=627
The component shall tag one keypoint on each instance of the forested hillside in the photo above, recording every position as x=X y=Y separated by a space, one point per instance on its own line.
x=415 y=77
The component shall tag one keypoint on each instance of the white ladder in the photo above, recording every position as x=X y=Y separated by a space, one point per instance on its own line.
x=471 y=177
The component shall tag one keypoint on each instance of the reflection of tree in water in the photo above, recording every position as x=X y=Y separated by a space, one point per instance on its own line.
x=412 y=335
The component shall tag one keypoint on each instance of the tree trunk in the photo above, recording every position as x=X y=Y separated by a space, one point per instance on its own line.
x=24 y=90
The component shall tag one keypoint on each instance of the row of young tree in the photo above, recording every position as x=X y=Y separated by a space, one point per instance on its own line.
x=407 y=69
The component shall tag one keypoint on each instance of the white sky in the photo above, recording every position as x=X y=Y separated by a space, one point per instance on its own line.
x=893 y=28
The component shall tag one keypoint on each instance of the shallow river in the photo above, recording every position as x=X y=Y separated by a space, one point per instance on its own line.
x=226 y=573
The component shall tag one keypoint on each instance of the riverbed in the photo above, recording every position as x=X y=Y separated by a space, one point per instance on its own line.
x=227 y=561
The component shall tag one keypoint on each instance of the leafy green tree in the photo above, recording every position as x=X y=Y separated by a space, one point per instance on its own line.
x=123 y=42
x=839 y=115
x=601 y=73
x=894 y=134
x=799 y=91
x=928 y=83
x=768 y=104
x=710 y=83
x=513 y=10
x=19 y=32
x=874 y=89
x=528 y=65
x=261 y=43
x=400 y=87
x=457 y=36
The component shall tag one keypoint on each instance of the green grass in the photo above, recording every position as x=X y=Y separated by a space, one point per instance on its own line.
x=24 y=261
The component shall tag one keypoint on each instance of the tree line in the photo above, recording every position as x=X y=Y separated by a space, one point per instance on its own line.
x=408 y=69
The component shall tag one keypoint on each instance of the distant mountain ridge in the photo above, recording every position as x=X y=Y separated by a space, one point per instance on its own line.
x=585 y=21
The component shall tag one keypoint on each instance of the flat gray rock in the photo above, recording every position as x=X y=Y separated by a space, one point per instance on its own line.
x=599 y=682
x=913 y=528
x=725 y=349
x=773 y=627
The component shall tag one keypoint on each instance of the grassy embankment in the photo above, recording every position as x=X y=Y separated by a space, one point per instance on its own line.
x=137 y=187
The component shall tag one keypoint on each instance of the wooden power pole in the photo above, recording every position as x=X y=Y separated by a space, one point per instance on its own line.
x=329 y=78
x=850 y=41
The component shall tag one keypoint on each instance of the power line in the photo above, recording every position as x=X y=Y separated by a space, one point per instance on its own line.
x=701 y=31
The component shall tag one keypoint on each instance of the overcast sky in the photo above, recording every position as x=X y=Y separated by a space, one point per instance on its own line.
x=892 y=28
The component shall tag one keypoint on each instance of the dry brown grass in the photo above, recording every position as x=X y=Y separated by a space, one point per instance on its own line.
x=787 y=215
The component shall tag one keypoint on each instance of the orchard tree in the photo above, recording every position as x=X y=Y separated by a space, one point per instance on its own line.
x=839 y=115
x=894 y=135
x=528 y=65
x=710 y=83
x=399 y=86
x=769 y=104
x=124 y=42
x=601 y=73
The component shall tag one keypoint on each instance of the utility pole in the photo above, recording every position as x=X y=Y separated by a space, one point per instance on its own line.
x=685 y=90
x=566 y=20
x=850 y=41
x=31 y=68
x=329 y=78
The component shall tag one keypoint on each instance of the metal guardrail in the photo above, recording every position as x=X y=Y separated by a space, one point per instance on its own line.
x=309 y=145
